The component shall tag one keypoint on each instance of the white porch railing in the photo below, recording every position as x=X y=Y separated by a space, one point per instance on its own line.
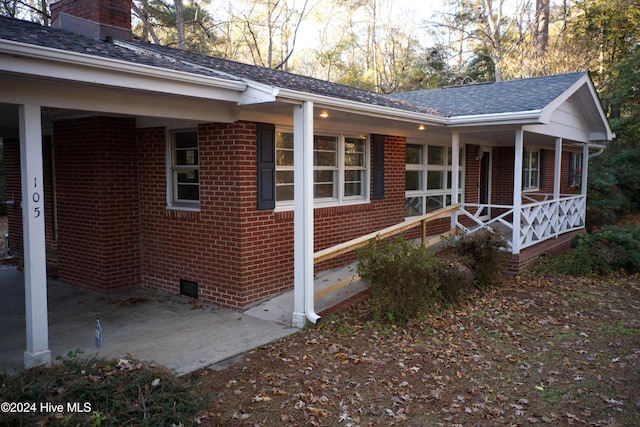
x=539 y=221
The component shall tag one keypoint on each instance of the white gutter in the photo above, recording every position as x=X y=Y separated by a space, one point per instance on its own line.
x=110 y=66
x=361 y=108
x=600 y=148
x=518 y=117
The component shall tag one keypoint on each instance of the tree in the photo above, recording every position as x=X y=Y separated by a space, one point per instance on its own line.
x=485 y=27
x=32 y=10
x=176 y=23
x=541 y=27
x=264 y=32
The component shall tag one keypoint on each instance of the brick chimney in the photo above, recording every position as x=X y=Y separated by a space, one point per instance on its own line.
x=94 y=18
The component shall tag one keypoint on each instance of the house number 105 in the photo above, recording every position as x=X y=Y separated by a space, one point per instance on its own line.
x=36 y=199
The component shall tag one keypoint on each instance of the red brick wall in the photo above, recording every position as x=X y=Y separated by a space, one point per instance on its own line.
x=116 y=13
x=97 y=203
x=532 y=255
x=206 y=246
x=236 y=253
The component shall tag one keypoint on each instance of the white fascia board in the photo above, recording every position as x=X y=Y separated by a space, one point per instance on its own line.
x=361 y=108
x=510 y=118
x=46 y=62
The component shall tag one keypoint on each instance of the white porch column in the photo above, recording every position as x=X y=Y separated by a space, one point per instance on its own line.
x=585 y=169
x=556 y=169
x=517 y=191
x=35 y=261
x=455 y=174
x=303 y=300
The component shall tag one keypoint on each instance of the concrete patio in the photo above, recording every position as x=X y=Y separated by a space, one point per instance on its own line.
x=177 y=332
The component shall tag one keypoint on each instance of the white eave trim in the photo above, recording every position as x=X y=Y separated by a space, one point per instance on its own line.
x=360 y=108
x=54 y=63
x=510 y=118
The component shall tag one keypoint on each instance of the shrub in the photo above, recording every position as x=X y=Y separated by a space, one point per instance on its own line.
x=402 y=277
x=456 y=279
x=482 y=252
x=120 y=392
x=612 y=249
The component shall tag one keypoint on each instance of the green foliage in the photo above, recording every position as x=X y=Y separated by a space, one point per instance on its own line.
x=120 y=392
x=402 y=277
x=613 y=249
x=482 y=252
x=407 y=279
x=614 y=186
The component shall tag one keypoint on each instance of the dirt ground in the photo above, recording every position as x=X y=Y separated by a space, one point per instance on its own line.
x=538 y=350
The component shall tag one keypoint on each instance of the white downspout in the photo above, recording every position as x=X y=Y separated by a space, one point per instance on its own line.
x=303 y=233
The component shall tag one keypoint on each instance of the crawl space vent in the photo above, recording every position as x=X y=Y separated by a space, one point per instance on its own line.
x=189 y=288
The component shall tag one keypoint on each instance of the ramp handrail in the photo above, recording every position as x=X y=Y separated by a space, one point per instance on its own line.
x=353 y=244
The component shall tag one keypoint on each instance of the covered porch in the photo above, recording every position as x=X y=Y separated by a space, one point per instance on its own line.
x=541 y=195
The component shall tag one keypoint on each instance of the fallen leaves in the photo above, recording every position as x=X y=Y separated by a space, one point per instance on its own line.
x=540 y=350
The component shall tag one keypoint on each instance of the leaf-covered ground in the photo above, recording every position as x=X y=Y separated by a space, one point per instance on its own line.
x=538 y=350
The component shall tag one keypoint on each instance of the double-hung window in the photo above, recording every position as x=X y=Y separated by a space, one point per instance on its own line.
x=340 y=168
x=530 y=170
x=575 y=169
x=183 y=177
x=428 y=178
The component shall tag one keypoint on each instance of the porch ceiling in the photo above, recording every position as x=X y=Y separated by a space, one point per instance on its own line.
x=505 y=137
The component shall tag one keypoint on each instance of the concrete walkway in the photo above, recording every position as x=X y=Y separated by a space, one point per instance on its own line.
x=177 y=332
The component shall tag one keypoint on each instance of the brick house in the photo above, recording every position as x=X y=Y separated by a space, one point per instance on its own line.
x=139 y=165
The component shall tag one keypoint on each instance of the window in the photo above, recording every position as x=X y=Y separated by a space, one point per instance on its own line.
x=339 y=168
x=530 y=170
x=575 y=169
x=428 y=178
x=183 y=176
x=284 y=166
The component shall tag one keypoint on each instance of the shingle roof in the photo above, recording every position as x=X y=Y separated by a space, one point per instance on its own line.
x=35 y=34
x=284 y=79
x=494 y=97
x=477 y=99
x=164 y=57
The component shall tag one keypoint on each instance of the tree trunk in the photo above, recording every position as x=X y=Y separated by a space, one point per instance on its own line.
x=179 y=23
x=542 y=27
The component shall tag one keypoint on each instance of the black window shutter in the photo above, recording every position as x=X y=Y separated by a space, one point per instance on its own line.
x=266 y=154
x=377 y=142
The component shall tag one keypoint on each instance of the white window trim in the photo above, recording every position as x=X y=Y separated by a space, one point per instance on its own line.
x=575 y=163
x=528 y=188
x=425 y=167
x=171 y=184
x=340 y=199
